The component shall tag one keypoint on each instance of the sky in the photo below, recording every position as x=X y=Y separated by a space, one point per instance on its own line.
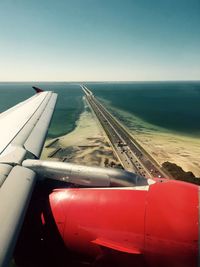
x=99 y=40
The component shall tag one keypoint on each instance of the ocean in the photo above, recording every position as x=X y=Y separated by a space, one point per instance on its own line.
x=170 y=106
x=68 y=108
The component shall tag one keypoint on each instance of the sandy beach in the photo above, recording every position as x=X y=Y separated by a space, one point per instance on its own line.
x=164 y=145
x=87 y=144
x=183 y=151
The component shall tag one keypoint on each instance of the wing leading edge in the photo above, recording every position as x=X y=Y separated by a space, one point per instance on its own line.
x=23 y=132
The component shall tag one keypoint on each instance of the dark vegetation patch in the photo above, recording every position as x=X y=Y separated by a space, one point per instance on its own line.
x=179 y=174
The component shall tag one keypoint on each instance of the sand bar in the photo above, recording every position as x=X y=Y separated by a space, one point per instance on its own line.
x=164 y=145
x=87 y=143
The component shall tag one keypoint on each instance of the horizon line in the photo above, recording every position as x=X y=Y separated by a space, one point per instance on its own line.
x=114 y=81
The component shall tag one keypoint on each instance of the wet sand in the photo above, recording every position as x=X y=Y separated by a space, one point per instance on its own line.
x=88 y=145
x=164 y=145
x=183 y=151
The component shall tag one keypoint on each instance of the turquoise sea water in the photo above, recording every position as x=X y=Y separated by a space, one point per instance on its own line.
x=68 y=108
x=174 y=106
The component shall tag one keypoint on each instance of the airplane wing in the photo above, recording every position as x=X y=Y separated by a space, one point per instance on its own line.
x=23 y=130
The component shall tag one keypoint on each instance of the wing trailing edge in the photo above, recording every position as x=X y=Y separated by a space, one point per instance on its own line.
x=23 y=132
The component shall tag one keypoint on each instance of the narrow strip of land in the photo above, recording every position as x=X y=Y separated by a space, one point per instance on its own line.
x=131 y=154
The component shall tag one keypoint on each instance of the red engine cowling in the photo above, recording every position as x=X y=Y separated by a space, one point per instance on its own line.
x=154 y=227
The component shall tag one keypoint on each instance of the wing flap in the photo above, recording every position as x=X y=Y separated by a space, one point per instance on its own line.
x=13 y=155
x=13 y=121
x=40 y=129
x=24 y=128
x=15 y=194
x=22 y=134
x=5 y=169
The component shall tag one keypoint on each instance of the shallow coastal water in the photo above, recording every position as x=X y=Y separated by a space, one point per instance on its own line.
x=169 y=128
x=173 y=106
x=68 y=108
x=163 y=117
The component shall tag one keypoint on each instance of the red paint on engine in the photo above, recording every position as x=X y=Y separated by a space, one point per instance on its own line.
x=158 y=227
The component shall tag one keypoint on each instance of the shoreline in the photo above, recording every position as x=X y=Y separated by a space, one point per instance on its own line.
x=161 y=143
x=87 y=144
x=183 y=151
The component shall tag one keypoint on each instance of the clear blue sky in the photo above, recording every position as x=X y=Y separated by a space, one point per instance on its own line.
x=74 y=40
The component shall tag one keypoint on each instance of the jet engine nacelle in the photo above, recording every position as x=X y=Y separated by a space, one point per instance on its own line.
x=130 y=227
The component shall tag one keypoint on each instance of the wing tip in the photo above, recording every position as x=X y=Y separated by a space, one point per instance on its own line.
x=37 y=89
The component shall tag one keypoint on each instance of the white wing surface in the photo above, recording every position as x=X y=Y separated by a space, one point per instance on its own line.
x=23 y=130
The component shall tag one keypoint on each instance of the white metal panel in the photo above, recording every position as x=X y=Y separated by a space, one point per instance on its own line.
x=15 y=194
x=5 y=113
x=35 y=141
x=12 y=122
x=27 y=121
x=86 y=175
x=4 y=171
x=13 y=155
x=28 y=127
